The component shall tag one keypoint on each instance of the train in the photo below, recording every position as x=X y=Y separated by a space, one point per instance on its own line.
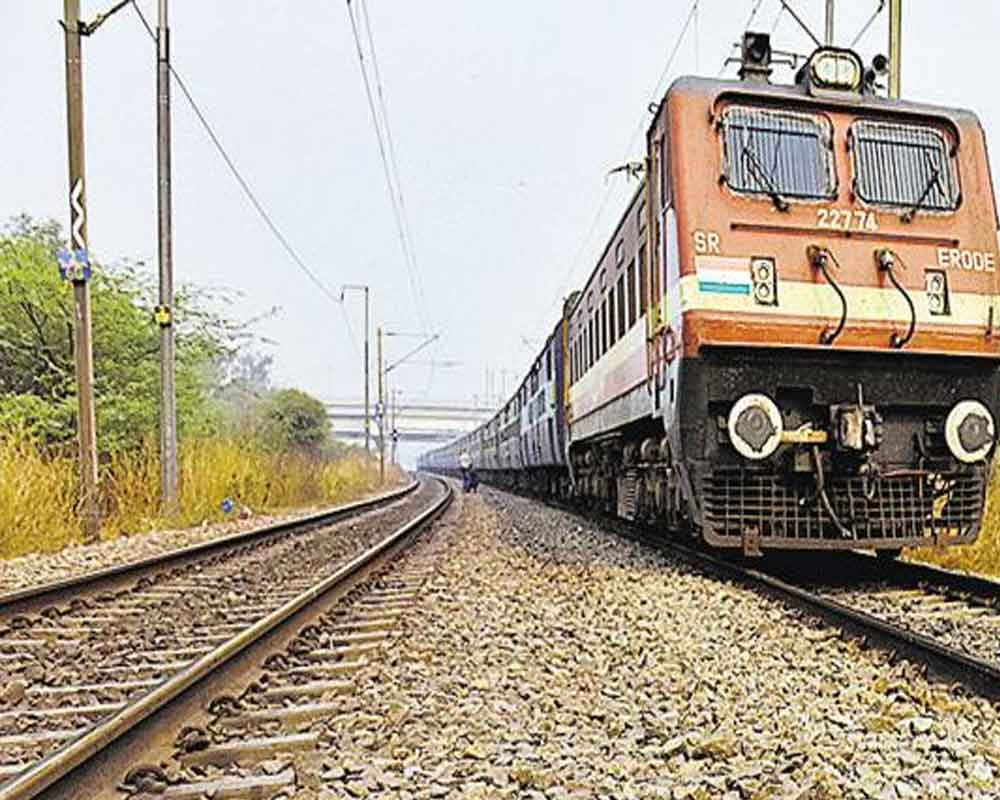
x=791 y=340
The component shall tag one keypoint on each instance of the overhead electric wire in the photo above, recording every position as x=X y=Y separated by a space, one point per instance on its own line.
x=421 y=298
x=608 y=192
x=785 y=5
x=408 y=260
x=753 y=14
x=746 y=27
x=245 y=186
x=867 y=25
x=777 y=20
x=394 y=163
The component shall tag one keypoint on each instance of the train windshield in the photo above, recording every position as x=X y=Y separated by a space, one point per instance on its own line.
x=907 y=166
x=777 y=153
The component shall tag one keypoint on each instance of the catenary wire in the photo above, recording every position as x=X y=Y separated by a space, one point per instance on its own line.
x=250 y=195
x=608 y=192
x=394 y=163
x=746 y=27
x=867 y=25
x=420 y=297
x=386 y=169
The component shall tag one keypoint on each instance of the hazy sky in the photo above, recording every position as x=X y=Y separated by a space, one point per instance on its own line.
x=506 y=118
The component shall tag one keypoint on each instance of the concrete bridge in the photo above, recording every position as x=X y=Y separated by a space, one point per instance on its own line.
x=414 y=422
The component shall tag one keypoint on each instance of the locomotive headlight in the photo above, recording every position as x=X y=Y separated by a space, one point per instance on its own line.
x=833 y=68
x=755 y=426
x=936 y=284
x=764 y=279
x=969 y=431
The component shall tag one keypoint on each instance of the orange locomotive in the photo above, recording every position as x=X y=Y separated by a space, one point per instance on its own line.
x=791 y=339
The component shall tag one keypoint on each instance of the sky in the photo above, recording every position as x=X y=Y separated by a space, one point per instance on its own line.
x=505 y=119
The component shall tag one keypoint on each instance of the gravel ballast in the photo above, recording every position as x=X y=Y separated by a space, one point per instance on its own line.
x=548 y=659
x=39 y=568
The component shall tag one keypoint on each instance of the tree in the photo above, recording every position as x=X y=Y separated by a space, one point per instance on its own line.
x=296 y=420
x=37 y=379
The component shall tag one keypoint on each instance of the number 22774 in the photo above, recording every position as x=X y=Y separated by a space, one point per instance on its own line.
x=838 y=219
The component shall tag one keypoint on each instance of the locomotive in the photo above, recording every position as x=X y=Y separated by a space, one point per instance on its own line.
x=790 y=340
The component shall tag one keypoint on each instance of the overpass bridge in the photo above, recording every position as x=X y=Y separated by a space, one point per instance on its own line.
x=413 y=422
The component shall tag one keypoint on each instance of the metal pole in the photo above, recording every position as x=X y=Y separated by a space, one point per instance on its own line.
x=164 y=315
x=82 y=346
x=367 y=381
x=381 y=411
x=395 y=405
x=895 y=47
x=829 y=22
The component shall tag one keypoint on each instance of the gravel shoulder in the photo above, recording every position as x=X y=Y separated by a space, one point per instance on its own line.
x=39 y=568
x=547 y=659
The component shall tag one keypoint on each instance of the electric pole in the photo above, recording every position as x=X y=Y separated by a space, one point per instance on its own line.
x=360 y=287
x=82 y=345
x=395 y=432
x=381 y=412
x=895 y=47
x=164 y=311
x=829 y=22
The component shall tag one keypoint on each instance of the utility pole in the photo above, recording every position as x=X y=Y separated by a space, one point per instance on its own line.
x=895 y=47
x=383 y=380
x=82 y=345
x=363 y=288
x=395 y=409
x=381 y=411
x=829 y=22
x=164 y=311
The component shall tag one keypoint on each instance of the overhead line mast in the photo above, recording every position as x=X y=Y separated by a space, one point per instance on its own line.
x=83 y=353
x=164 y=312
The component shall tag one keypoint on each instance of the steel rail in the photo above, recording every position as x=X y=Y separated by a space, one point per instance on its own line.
x=984 y=676
x=32 y=597
x=59 y=765
x=949 y=662
x=981 y=675
x=915 y=572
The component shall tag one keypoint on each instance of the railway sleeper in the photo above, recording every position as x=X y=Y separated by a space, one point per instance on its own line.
x=328 y=670
x=255 y=787
x=284 y=715
x=322 y=688
x=250 y=750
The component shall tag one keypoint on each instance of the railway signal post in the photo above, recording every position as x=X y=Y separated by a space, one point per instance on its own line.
x=83 y=354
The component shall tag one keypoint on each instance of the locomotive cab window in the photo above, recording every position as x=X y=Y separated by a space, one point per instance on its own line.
x=904 y=166
x=777 y=154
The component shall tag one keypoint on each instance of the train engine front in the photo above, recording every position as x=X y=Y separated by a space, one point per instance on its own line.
x=825 y=346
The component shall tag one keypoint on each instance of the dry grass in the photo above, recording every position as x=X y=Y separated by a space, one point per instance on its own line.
x=983 y=557
x=37 y=491
x=38 y=494
x=37 y=499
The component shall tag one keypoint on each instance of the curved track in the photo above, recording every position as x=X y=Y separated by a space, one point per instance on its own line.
x=40 y=597
x=99 y=666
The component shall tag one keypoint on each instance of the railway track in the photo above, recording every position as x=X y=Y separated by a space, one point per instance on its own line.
x=948 y=621
x=100 y=664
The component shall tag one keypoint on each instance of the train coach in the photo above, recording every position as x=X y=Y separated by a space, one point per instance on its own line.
x=790 y=340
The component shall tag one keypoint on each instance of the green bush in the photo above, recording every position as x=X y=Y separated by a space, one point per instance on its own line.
x=294 y=420
x=37 y=378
